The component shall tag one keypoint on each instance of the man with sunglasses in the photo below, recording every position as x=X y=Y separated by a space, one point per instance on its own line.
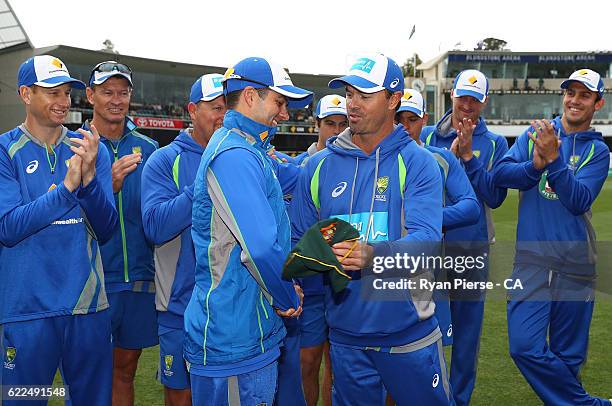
x=56 y=207
x=166 y=212
x=128 y=257
x=241 y=235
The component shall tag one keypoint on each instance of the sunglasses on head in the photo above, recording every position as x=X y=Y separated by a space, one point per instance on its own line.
x=235 y=76
x=110 y=66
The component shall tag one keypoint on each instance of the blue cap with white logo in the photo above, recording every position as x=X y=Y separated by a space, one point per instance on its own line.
x=591 y=79
x=330 y=105
x=371 y=74
x=260 y=73
x=471 y=82
x=412 y=100
x=206 y=88
x=45 y=71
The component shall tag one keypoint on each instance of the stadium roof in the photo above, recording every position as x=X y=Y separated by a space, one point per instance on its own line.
x=11 y=31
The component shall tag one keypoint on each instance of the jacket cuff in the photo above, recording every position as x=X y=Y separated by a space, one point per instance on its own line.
x=556 y=165
x=472 y=165
x=83 y=191
x=532 y=172
x=189 y=191
x=70 y=196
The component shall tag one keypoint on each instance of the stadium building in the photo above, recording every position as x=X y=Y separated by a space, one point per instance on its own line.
x=522 y=85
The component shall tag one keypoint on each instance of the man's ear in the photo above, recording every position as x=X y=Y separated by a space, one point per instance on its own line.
x=249 y=94
x=394 y=101
x=191 y=108
x=89 y=93
x=599 y=104
x=25 y=93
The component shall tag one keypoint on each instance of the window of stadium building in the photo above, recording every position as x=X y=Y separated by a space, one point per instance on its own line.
x=564 y=70
x=454 y=68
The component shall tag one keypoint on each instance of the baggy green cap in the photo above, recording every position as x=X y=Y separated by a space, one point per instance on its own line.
x=313 y=255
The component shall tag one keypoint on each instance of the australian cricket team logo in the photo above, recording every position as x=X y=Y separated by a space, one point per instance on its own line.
x=136 y=150
x=545 y=189
x=328 y=232
x=382 y=184
x=168 y=360
x=11 y=353
x=476 y=153
x=574 y=160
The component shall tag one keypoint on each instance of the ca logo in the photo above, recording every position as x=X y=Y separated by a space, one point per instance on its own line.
x=436 y=381
x=32 y=166
x=339 y=189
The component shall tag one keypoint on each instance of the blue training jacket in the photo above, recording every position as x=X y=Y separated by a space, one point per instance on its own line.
x=128 y=257
x=394 y=193
x=554 y=222
x=241 y=235
x=49 y=258
x=169 y=177
x=461 y=207
x=488 y=148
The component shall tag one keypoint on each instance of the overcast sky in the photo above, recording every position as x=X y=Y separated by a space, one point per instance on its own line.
x=312 y=36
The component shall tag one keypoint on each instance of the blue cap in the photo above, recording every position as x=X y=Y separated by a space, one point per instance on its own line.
x=259 y=73
x=371 y=74
x=206 y=88
x=45 y=71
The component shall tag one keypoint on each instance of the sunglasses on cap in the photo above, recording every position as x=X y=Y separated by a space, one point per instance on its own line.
x=244 y=79
x=110 y=66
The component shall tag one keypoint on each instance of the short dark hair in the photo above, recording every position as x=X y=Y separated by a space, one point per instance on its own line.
x=232 y=98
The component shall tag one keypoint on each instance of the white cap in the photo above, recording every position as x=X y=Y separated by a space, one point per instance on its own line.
x=371 y=74
x=330 y=105
x=471 y=83
x=591 y=79
x=206 y=88
x=412 y=100
x=45 y=71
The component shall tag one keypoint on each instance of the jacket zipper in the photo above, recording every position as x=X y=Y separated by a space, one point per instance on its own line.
x=126 y=277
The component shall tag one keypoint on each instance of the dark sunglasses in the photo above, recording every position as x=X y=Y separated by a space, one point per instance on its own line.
x=235 y=76
x=110 y=66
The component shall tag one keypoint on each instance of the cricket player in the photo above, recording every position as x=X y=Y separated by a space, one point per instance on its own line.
x=127 y=257
x=464 y=131
x=241 y=235
x=331 y=120
x=166 y=211
x=559 y=167
x=461 y=207
x=376 y=178
x=56 y=207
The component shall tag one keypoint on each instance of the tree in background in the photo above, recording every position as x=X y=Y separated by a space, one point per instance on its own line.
x=408 y=66
x=491 y=44
x=109 y=47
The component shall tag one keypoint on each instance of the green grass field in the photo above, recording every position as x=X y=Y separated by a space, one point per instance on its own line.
x=499 y=381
